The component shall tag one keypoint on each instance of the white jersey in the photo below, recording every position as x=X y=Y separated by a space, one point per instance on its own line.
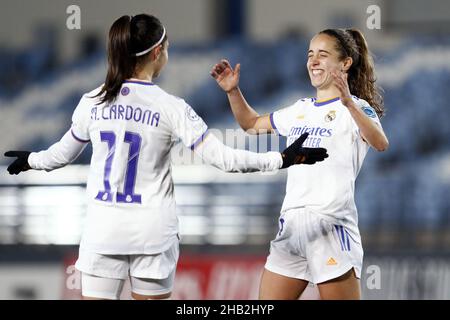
x=131 y=204
x=326 y=187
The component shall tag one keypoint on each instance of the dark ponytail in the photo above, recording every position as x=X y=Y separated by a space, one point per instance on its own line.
x=361 y=75
x=127 y=37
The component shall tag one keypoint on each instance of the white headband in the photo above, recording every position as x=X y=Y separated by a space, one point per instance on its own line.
x=154 y=46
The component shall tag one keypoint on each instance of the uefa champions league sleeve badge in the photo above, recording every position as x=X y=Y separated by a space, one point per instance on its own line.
x=191 y=114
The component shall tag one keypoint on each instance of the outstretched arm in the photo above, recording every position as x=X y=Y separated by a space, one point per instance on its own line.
x=58 y=155
x=245 y=115
x=215 y=153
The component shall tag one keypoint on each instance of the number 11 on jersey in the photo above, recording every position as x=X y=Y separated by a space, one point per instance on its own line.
x=128 y=195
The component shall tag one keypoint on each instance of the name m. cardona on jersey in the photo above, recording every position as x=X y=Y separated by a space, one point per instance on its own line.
x=128 y=113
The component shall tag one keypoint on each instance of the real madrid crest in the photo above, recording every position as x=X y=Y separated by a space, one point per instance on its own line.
x=330 y=116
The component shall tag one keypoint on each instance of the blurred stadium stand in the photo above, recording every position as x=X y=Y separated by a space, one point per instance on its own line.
x=402 y=194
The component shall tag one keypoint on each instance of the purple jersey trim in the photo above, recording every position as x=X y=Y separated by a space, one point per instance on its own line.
x=272 y=123
x=78 y=139
x=199 y=140
x=322 y=103
x=139 y=82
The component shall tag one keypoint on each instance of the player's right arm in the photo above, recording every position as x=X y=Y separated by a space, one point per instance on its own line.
x=245 y=115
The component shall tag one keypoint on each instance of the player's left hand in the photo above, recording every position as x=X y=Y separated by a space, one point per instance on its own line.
x=297 y=154
x=341 y=82
x=20 y=164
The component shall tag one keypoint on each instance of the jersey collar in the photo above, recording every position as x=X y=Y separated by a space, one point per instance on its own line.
x=325 y=102
x=144 y=83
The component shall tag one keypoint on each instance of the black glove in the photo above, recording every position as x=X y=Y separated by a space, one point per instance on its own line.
x=20 y=164
x=296 y=154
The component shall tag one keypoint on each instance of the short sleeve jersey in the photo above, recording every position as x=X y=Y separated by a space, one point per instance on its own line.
x=326 y=187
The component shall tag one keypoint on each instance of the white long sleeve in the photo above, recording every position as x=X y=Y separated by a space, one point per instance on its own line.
x=215 y=153
x=58 y=155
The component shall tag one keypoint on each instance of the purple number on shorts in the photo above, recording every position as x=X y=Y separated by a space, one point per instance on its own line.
x=110 y=138
x=282 y=226
x=130 y=175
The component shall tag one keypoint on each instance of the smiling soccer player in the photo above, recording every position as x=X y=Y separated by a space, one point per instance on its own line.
x=319 y=240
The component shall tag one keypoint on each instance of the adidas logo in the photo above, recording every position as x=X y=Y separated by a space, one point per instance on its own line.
x=331 y=262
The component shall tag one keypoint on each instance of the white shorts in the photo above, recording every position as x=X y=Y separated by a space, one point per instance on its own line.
x=103 y=276
x=311 y=248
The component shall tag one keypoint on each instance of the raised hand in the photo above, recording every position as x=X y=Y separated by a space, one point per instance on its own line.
x=296 y=154
x=341 y=83
x=226 y=77
x=20 y=164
